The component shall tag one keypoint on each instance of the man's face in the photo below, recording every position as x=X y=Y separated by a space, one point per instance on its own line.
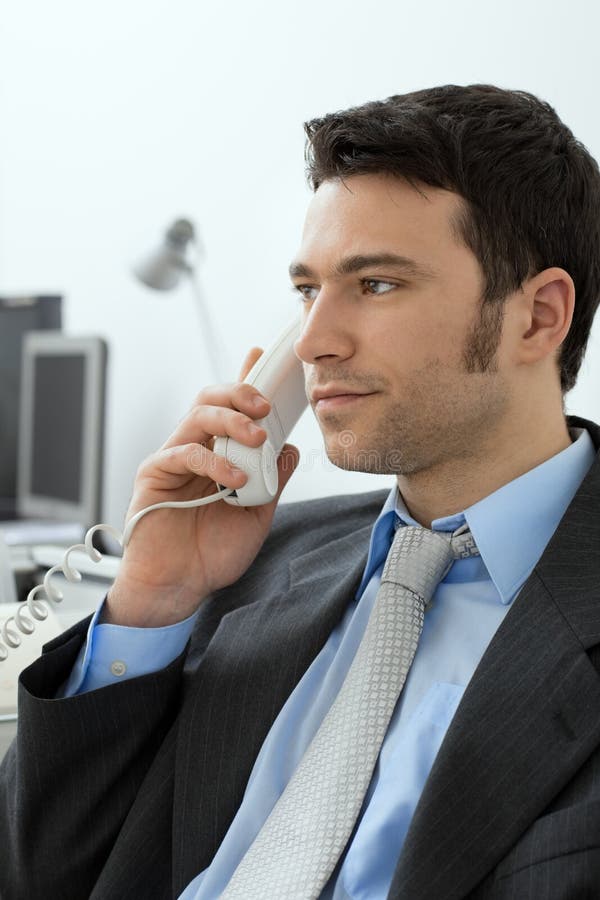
x=406 y=335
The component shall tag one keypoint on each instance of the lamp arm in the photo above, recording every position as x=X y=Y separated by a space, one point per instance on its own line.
x=213 y=346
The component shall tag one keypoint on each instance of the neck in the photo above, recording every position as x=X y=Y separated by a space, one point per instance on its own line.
x=453 y=484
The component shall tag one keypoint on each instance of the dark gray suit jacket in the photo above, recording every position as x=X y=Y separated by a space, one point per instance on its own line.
x=128 y=791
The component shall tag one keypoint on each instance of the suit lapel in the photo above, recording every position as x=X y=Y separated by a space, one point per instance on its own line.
x=526 y=723
x=251 y=665
x=522 y=730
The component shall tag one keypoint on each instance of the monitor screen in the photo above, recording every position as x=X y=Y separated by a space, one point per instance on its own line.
x=58 y=388
x=18 y=315
x=61 y=427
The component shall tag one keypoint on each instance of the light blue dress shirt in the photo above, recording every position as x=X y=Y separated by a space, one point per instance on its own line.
x=511 y=527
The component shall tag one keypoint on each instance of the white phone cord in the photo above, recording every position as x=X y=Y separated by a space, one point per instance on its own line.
x=22 y=622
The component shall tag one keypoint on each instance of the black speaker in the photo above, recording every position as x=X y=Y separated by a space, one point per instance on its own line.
x=17 y=316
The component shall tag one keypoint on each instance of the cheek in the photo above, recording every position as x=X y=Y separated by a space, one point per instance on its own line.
x=408 y=341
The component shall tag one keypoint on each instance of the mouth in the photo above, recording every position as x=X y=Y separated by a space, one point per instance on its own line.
x=339 y=400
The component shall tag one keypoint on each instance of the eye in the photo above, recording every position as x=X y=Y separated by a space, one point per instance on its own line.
x=305 y=291
x=372 y=284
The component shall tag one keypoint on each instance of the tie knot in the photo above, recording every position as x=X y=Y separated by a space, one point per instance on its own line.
x=420 y=558
x=461 y=541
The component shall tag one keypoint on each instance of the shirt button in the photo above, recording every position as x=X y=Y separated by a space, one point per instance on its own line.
x=118 y=667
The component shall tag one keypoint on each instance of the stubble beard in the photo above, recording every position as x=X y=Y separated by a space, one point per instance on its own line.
x=446 y=416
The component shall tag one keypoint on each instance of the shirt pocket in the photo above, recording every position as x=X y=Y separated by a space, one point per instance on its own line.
x=439 y=704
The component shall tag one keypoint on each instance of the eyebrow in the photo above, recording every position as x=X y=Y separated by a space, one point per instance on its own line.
x=357 y=262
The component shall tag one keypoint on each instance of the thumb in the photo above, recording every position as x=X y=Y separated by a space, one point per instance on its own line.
x=287 y=461
x=286 y=464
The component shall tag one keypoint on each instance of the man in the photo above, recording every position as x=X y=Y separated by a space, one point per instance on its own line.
x=449 y=273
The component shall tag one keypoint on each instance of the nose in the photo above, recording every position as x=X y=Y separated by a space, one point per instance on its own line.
x=325 y=331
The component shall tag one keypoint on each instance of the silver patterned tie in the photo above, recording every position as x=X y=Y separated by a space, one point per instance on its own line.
x=298 y=846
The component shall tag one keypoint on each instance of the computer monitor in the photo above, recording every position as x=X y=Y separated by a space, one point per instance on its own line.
x=61 y=427
x=17 y=316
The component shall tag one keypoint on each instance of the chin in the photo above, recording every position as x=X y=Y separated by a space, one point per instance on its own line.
x=352 y=459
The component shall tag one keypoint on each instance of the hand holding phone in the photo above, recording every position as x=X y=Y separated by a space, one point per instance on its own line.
x=279 y=377
x=176 y=557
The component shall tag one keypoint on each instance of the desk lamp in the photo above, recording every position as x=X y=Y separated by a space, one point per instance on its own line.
x=162 y=269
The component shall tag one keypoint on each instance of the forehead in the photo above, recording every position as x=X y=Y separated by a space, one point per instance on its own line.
x=374 y=213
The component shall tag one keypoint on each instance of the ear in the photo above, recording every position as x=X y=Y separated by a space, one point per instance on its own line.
x=547 y=305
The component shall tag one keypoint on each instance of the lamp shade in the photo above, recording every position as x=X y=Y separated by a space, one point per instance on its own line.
x=162 y=268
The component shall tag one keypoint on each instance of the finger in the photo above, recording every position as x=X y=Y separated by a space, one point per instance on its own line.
x=237 y=395
x=251 y=357
x=202 y=423
x=186 y=460
x=243 y=397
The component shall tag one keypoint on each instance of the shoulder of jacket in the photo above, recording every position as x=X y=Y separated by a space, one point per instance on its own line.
x=323 y=519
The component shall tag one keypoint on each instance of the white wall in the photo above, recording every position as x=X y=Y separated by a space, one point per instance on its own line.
x=118 y=117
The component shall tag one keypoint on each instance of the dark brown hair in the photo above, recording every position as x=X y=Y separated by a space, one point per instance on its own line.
x=531 y=191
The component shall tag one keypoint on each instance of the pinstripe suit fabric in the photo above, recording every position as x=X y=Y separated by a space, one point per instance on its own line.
x=128 y=791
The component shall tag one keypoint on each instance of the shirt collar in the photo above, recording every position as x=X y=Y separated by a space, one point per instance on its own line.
x=511 y=526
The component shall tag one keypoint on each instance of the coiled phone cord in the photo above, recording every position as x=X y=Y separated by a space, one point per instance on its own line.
x=21 y=622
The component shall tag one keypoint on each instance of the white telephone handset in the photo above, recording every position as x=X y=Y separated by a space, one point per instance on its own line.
x=279 y=376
